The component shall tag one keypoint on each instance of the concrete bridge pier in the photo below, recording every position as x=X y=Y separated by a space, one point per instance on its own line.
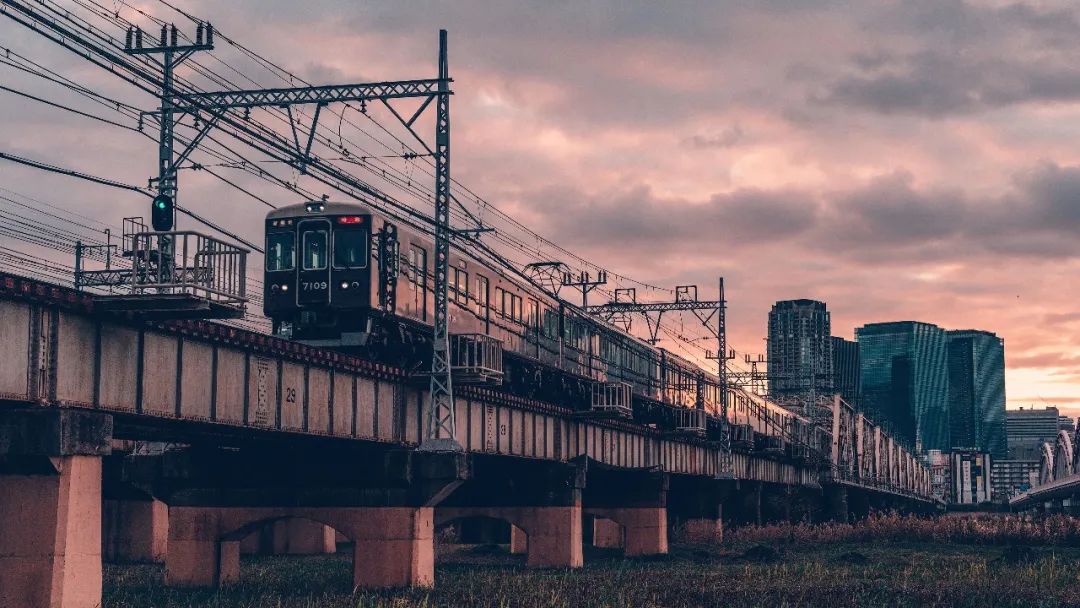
x=775 y=504
x=835 y=504
x=519 y=541
x=134 y=530
x=541 y=500
x=633 y=499
x=696 y=506
x=747 y=504
x=859 y=504
x=787 y=503
x=607 y=534
x=50 y=507
x=217 y=498
x=291 y=537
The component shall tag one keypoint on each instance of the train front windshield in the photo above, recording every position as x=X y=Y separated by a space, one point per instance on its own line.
x=280 y=251
x=314 y=250
x=350 y=249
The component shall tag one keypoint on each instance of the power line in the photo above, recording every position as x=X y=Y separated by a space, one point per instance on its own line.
x=72 y=173
x=67 y=108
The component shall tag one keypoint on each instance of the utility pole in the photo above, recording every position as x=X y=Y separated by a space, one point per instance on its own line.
x=442 y=427
x=585 y=283
x=686 y=299
x=441 y=430
x=172 y=55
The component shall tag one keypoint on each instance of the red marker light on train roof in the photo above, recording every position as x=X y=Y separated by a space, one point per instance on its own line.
x=350 y=219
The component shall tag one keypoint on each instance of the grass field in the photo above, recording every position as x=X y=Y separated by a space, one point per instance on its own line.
x=760 y=567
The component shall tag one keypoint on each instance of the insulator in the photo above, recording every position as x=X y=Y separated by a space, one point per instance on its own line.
x=127 y=39
x=164 y=36
x=199 y=33
x=173 y=35
x=210 y=34
x=138 y=38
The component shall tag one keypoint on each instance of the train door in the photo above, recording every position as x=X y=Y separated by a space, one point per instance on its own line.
x=314 y=273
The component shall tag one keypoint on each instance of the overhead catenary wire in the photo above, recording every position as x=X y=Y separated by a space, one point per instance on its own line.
x=337 y=179
x=115 y=184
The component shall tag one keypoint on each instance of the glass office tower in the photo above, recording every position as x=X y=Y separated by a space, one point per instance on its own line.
x=977 y=391
x=845 y=355
x=905 y=382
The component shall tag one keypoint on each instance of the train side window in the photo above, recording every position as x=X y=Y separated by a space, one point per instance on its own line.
x=481 y=296
x=280 y=251
x=314 y=250
x=418 y=260
x=459 y=286
x=517 y=308
x=534 y=313
x=410 y=269
x=350 y=249
x=551 y=323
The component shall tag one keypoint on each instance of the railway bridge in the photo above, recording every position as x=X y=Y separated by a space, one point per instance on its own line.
x=1058 y=486
x=261 y=430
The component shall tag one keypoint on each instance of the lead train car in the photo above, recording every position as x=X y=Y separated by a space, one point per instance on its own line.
x=339 y=275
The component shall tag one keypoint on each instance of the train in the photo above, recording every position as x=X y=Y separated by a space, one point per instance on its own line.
x=340 y=275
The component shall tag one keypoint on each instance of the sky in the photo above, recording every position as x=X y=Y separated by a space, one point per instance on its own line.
x=909 y=160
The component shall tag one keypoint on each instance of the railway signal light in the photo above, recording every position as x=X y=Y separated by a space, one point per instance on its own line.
x=161 y=213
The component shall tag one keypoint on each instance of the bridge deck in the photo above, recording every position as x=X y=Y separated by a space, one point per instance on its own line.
x=55 y=350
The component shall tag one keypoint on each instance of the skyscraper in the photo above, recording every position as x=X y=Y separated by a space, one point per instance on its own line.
x=800 y=350
x=976 y=362
x=845 y=356
x=904 y=380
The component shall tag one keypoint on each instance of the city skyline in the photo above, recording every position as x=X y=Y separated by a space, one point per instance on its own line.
x=881 y=172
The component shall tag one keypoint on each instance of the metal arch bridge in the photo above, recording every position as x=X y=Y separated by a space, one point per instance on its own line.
x=1059 y=476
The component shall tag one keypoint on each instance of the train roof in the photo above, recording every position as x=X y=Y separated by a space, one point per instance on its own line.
x=329 y=208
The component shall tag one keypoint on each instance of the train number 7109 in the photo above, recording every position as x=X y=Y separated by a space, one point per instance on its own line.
x=313 y=285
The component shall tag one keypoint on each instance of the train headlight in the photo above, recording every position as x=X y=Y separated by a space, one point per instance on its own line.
x=285 y=287
x=344 y=284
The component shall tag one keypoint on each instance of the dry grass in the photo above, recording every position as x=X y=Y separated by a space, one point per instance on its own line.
x=974 y=529
x=887 y=561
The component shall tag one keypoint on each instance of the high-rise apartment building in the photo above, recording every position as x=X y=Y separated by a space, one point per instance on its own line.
x=1027 y=429
x=905 y=381
x=976 y=364
x=845 y=356
x=1066 y=423
x=800 y=348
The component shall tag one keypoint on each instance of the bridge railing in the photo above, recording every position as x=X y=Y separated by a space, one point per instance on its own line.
x=169 y=271
x=200 y=265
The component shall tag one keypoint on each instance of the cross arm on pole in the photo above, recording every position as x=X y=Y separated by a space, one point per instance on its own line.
x=374 y=91
x=642 y=307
